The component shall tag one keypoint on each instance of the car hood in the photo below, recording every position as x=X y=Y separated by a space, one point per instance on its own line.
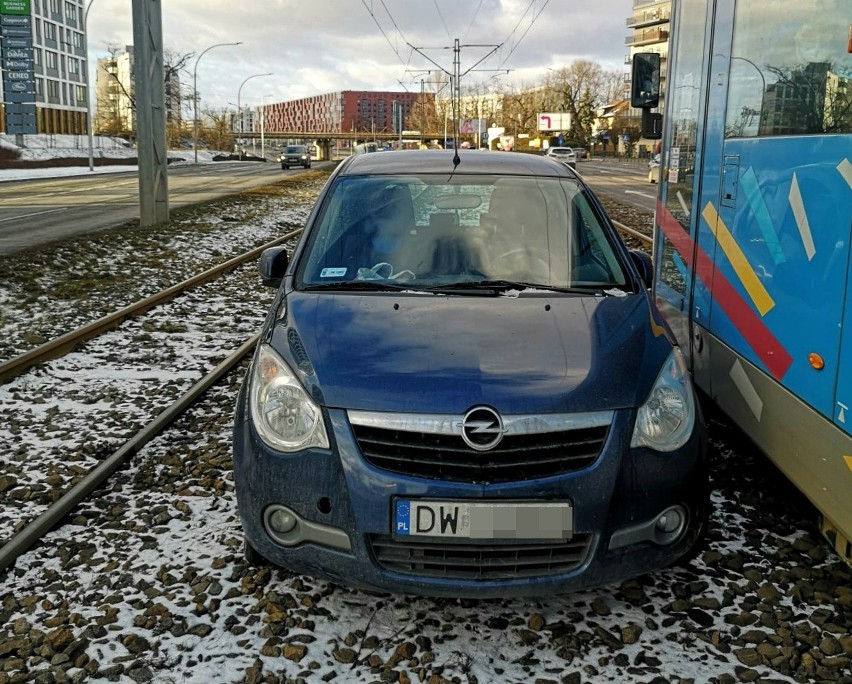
x=444 y=354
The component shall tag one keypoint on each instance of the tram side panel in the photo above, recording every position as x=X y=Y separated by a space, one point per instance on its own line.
x=753 y=223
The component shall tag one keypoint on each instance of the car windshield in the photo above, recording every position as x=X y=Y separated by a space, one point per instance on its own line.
x=294 y=149
x=430 y=231
x=562 y=152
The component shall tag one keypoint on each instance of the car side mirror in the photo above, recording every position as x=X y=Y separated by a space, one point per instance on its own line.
x=644 y=265
x=645 y=84
x=273 y=265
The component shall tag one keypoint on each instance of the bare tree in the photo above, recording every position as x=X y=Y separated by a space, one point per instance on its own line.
x=578 y=89
x=117 y=100
x=218 y=134
x=173 y=63
x=521 y=107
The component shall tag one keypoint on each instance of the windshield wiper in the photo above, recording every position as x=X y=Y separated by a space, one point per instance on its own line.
x=361 y=285
x=493 y=287
x=480 y=287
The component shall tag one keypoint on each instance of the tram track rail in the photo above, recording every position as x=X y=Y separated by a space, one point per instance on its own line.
x=47 y=520
x=68 y=496
x=63 y=344
x=646 y=240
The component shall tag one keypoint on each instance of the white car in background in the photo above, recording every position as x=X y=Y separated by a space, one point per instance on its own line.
x=566 y=155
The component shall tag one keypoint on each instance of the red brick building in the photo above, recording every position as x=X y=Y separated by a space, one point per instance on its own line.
x=344 y=111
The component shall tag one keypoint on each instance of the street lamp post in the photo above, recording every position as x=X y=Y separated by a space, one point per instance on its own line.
x=240 y=110
x=88 y=86
x=195 y=95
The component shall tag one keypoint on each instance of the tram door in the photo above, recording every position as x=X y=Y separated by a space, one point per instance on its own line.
x=677 y=260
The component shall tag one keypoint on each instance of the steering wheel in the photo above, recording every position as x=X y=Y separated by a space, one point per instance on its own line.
x=529 y=262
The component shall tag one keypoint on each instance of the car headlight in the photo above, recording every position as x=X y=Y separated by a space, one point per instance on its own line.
x=285 y=417
x=665 y=421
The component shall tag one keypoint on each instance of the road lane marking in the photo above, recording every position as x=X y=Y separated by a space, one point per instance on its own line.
x=643 y=194
x=22 y=216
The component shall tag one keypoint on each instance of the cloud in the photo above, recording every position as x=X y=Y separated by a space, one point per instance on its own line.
x=327 y=45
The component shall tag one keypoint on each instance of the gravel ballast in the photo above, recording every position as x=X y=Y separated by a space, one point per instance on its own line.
x=145 y=582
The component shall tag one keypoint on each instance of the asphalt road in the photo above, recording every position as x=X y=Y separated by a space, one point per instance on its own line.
x=622 y=181
x=35 y=212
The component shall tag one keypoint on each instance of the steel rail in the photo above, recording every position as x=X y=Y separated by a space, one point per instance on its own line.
x=65 y=343
x=39 y=527
x=634 y=233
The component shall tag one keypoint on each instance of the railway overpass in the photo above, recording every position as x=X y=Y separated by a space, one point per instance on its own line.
x=323 y=140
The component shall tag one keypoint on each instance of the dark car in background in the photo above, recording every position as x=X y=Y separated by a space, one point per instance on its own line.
x=295 y=155
x=463 y=388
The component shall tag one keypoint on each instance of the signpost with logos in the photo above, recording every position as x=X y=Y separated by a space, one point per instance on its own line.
x=18 y=76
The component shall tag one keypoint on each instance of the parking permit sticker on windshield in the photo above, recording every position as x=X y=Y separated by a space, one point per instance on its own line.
x=332 y=272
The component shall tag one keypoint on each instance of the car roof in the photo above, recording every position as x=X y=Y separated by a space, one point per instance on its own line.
x=441 y=161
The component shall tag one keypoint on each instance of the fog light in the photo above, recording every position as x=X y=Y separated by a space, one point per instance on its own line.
x=282 y=521
x=669 y=521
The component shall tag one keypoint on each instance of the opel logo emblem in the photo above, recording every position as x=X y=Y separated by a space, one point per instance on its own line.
x=482 y=428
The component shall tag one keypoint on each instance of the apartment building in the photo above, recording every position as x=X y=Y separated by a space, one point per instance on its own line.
x=115 y=89
x=53 y=59
x=338 y=112
x=649 y=32
x=115 y=92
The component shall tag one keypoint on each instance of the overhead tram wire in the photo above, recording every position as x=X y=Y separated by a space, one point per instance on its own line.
x=454 y=78
x=376 y=21
x=442 y=19
x=404 y=63
x=520 y=40
x=472 y=21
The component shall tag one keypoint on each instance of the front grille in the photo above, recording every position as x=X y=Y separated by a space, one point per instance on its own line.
x=446 y=457
x=483 y=562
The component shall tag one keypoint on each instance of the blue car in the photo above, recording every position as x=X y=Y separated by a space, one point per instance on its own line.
x=463 y=388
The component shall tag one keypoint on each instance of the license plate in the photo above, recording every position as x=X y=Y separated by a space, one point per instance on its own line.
x=482 y=520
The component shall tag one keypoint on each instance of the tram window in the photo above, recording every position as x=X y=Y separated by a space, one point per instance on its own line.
x=791 y=71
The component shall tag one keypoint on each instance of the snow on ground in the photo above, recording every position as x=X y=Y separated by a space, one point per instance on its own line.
x=146 y=583
x=42 y=147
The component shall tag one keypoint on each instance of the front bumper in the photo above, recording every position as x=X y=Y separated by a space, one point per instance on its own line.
x=343 y=508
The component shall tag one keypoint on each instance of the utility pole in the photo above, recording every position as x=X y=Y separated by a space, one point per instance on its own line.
x=456 y=76
x=87 y=81
x=150 y=112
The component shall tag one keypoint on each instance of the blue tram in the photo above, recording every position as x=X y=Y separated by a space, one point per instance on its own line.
x=753 y=223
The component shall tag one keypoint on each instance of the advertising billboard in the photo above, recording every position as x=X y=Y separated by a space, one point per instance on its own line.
x=554 y=121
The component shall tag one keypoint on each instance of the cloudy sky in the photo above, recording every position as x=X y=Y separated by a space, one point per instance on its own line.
x=319 y=46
